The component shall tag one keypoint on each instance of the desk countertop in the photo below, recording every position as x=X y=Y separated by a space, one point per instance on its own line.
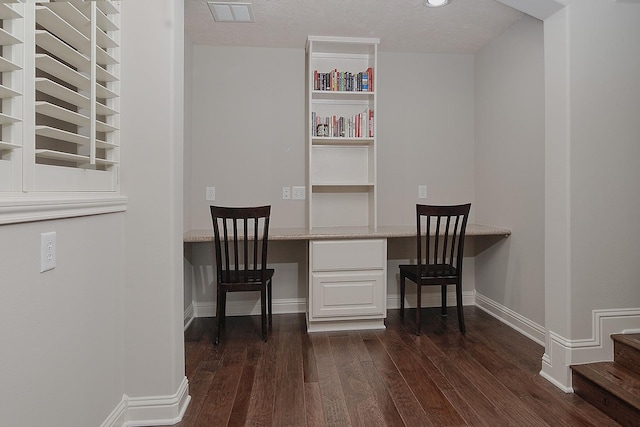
x=331 y=233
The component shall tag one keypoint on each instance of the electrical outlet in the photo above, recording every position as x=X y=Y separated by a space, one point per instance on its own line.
x=211 y=194
x=286 y=193
x=299 y=193
x=422 y=192
x=47 y=251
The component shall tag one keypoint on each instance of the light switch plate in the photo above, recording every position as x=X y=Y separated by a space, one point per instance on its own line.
x=211 y=194
x=286 y=193
x=47 y=251
x=298 y=193
x=422 y=192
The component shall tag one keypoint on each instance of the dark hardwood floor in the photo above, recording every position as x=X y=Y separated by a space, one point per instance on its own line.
x=487 y=377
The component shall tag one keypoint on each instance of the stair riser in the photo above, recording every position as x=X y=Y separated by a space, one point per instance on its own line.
x=609 y=404
x=627 y=356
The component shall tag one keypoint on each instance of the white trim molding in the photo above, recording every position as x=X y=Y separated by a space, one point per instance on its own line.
x=525 y=326
x=150 y=410
x=188 y=316
x=250 y=308
x=430 y=298
x=27 y=209
x=561 y=352
x=299 y=305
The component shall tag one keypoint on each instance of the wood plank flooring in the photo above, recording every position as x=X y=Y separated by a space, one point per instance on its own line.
x=487 y=377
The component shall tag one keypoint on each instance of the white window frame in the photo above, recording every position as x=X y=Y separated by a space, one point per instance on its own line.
x=89 y=184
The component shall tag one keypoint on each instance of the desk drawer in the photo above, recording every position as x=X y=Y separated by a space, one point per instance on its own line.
x=332 y=255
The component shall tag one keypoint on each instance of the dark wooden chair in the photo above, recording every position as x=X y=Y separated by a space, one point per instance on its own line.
x=439 y=255
x=241 y=236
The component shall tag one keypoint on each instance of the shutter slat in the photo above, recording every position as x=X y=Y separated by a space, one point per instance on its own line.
x=57 y=47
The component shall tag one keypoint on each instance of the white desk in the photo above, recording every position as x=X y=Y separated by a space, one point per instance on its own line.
x=351 y=294
x=340 y=233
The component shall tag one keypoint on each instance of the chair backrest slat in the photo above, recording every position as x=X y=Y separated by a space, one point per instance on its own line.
x=240 y=242
x=442 y=244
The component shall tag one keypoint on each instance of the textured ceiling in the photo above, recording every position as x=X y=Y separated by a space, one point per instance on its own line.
x=464 y=26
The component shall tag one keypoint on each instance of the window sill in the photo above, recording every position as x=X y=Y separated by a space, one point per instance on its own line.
x=14 y=210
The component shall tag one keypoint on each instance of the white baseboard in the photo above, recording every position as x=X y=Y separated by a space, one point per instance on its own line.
x=118 y=416
x=299 y=305
x=247 y=308
x=430 y=299
x=150 y=410
x=561 y=352
x=188 y=316
x=525 y=326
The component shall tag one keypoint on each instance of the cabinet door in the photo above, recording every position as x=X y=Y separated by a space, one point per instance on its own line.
x=348 y=294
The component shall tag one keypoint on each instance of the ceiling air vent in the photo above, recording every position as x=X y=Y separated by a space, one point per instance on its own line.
x=231 y=11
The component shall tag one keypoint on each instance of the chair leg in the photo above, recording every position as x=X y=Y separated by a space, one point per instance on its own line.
x=402 y=285
x=263 y=312
x=459 y=307
x=443 y=307
x=219 y=305
x=223 y=317
x=418 y=307
x=269 y=302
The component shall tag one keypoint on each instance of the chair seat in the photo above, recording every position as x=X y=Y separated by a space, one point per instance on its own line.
x=251 y=278
x=430 y=271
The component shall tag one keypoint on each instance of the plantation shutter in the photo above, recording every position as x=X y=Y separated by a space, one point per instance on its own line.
x=11 y=95
x=76 y=96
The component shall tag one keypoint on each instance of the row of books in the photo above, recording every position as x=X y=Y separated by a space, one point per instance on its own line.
x=344 y=81
x=356 y=126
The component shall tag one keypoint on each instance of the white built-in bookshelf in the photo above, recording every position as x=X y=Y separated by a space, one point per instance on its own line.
x=347 y=277
x=341 y=131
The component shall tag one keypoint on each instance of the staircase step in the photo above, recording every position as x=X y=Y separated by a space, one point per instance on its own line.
x=626 y=349
x=613 y=389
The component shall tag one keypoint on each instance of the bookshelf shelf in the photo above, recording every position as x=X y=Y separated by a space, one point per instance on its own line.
x=340 y=141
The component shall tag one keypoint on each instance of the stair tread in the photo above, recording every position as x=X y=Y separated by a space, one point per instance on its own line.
x=632 y=340
x=617 y=380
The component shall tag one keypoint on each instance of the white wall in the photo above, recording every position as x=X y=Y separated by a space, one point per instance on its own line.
x=62 y=347
x=605 y=154
x=425 y=132
x=510 y=164
x=152 y=147
x=592 y=146
x=425 y=137
x=187 y=155
x=248 y=130
x=249 y=142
